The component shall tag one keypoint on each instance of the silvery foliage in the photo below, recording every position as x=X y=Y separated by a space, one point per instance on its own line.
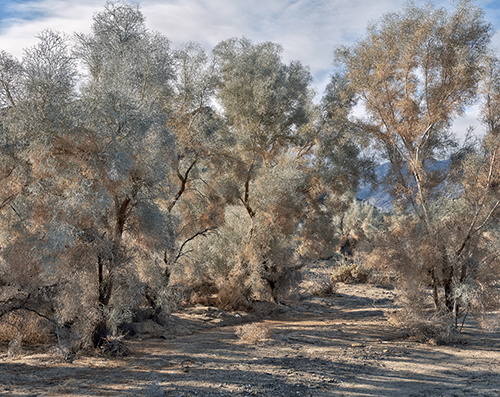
x=130 y=75
x=221 y=250
x=90 y=150
x=196 y=77
x=361 y=216
x=339 y=157
x=39 y=90
x=490 y=91
x=266 y=105
x=265 y=101
x=10 y=75
x=401 y=72
x=287 y=179
x=36 y=89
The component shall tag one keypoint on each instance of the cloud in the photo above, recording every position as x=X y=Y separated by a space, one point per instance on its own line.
x=308 y=30
x=470 y=119
x=19 y=31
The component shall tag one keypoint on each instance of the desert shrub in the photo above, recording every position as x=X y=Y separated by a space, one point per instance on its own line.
x=76 y=303
x=416 y=316
x=360 y=219
x=235 y=292
x=27 y=326
x=317 y=237
x=213 y=258
x=245 y=259
x=15 y=346
x=114 y=346
x=350 y=273
x=478 y=298
x=253 y=332
x=319 y=284
x=432 y=328
x=163 y=294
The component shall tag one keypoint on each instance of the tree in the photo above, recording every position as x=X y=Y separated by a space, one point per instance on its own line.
x=131 y=72
x=267 y=107
x=91 y=210
x=34 y=91
x=339 y=163
x=197 y=129
x=10 y=74
x=415 y=72
x=196 y=163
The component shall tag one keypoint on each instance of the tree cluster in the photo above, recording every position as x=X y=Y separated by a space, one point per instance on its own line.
x=132 y=172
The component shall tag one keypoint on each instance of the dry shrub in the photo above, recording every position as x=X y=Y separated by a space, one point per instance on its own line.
x=320 y=285
x=417 y=318
x=234 y=293
x=28 y=326
x=253 y=332
x=318 y=236
x=246 y=259
x=201 y=293
x=196 y=298
x=350 y=273
x=115 y=346
x=488 y=321
x=435 y=329
x=15 y=346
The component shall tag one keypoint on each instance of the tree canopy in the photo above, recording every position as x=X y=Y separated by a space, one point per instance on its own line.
x=132 y=172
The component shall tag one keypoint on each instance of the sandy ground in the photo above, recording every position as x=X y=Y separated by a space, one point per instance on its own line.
x=341 y=345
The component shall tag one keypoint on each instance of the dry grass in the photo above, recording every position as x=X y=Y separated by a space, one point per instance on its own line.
x=27 y=326
x=319 y=284
x=350 y=273
x=253 y=332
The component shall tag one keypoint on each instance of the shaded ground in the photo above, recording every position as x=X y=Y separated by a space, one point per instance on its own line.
x=341 y=345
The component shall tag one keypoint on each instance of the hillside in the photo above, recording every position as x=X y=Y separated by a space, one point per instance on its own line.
x=378 y=196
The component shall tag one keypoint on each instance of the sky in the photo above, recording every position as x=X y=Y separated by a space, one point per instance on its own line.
x=308 y=30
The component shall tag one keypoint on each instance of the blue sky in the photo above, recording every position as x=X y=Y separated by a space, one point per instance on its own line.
x=308 y=30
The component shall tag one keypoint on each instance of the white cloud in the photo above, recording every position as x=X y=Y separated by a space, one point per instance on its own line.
x=64 y=16
x=470 y=119
x=308 y=30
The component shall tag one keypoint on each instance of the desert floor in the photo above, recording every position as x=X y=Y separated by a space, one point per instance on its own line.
x=340 y=345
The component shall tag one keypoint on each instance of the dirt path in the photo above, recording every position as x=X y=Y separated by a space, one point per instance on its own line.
x=337 y=346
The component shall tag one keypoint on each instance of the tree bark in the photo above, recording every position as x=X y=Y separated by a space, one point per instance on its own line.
x=105 y=285
x=447 y=283
x=435 y=296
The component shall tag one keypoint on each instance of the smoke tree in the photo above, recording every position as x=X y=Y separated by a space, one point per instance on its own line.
x=98 y=162
x=126 y=164
x=338 y=165
x=130 y=79
x=267 y=108
x=415 y=72
x=198 y=131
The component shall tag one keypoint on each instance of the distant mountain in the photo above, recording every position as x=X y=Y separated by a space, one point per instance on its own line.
x=377 y=196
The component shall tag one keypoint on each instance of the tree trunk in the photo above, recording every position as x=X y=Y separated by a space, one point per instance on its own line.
x=100 y=331
x=99 y=334
x=448 y=290
x=434 y=289
x=152 y=296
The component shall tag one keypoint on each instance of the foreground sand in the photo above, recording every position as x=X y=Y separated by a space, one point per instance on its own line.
x=341 y=345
